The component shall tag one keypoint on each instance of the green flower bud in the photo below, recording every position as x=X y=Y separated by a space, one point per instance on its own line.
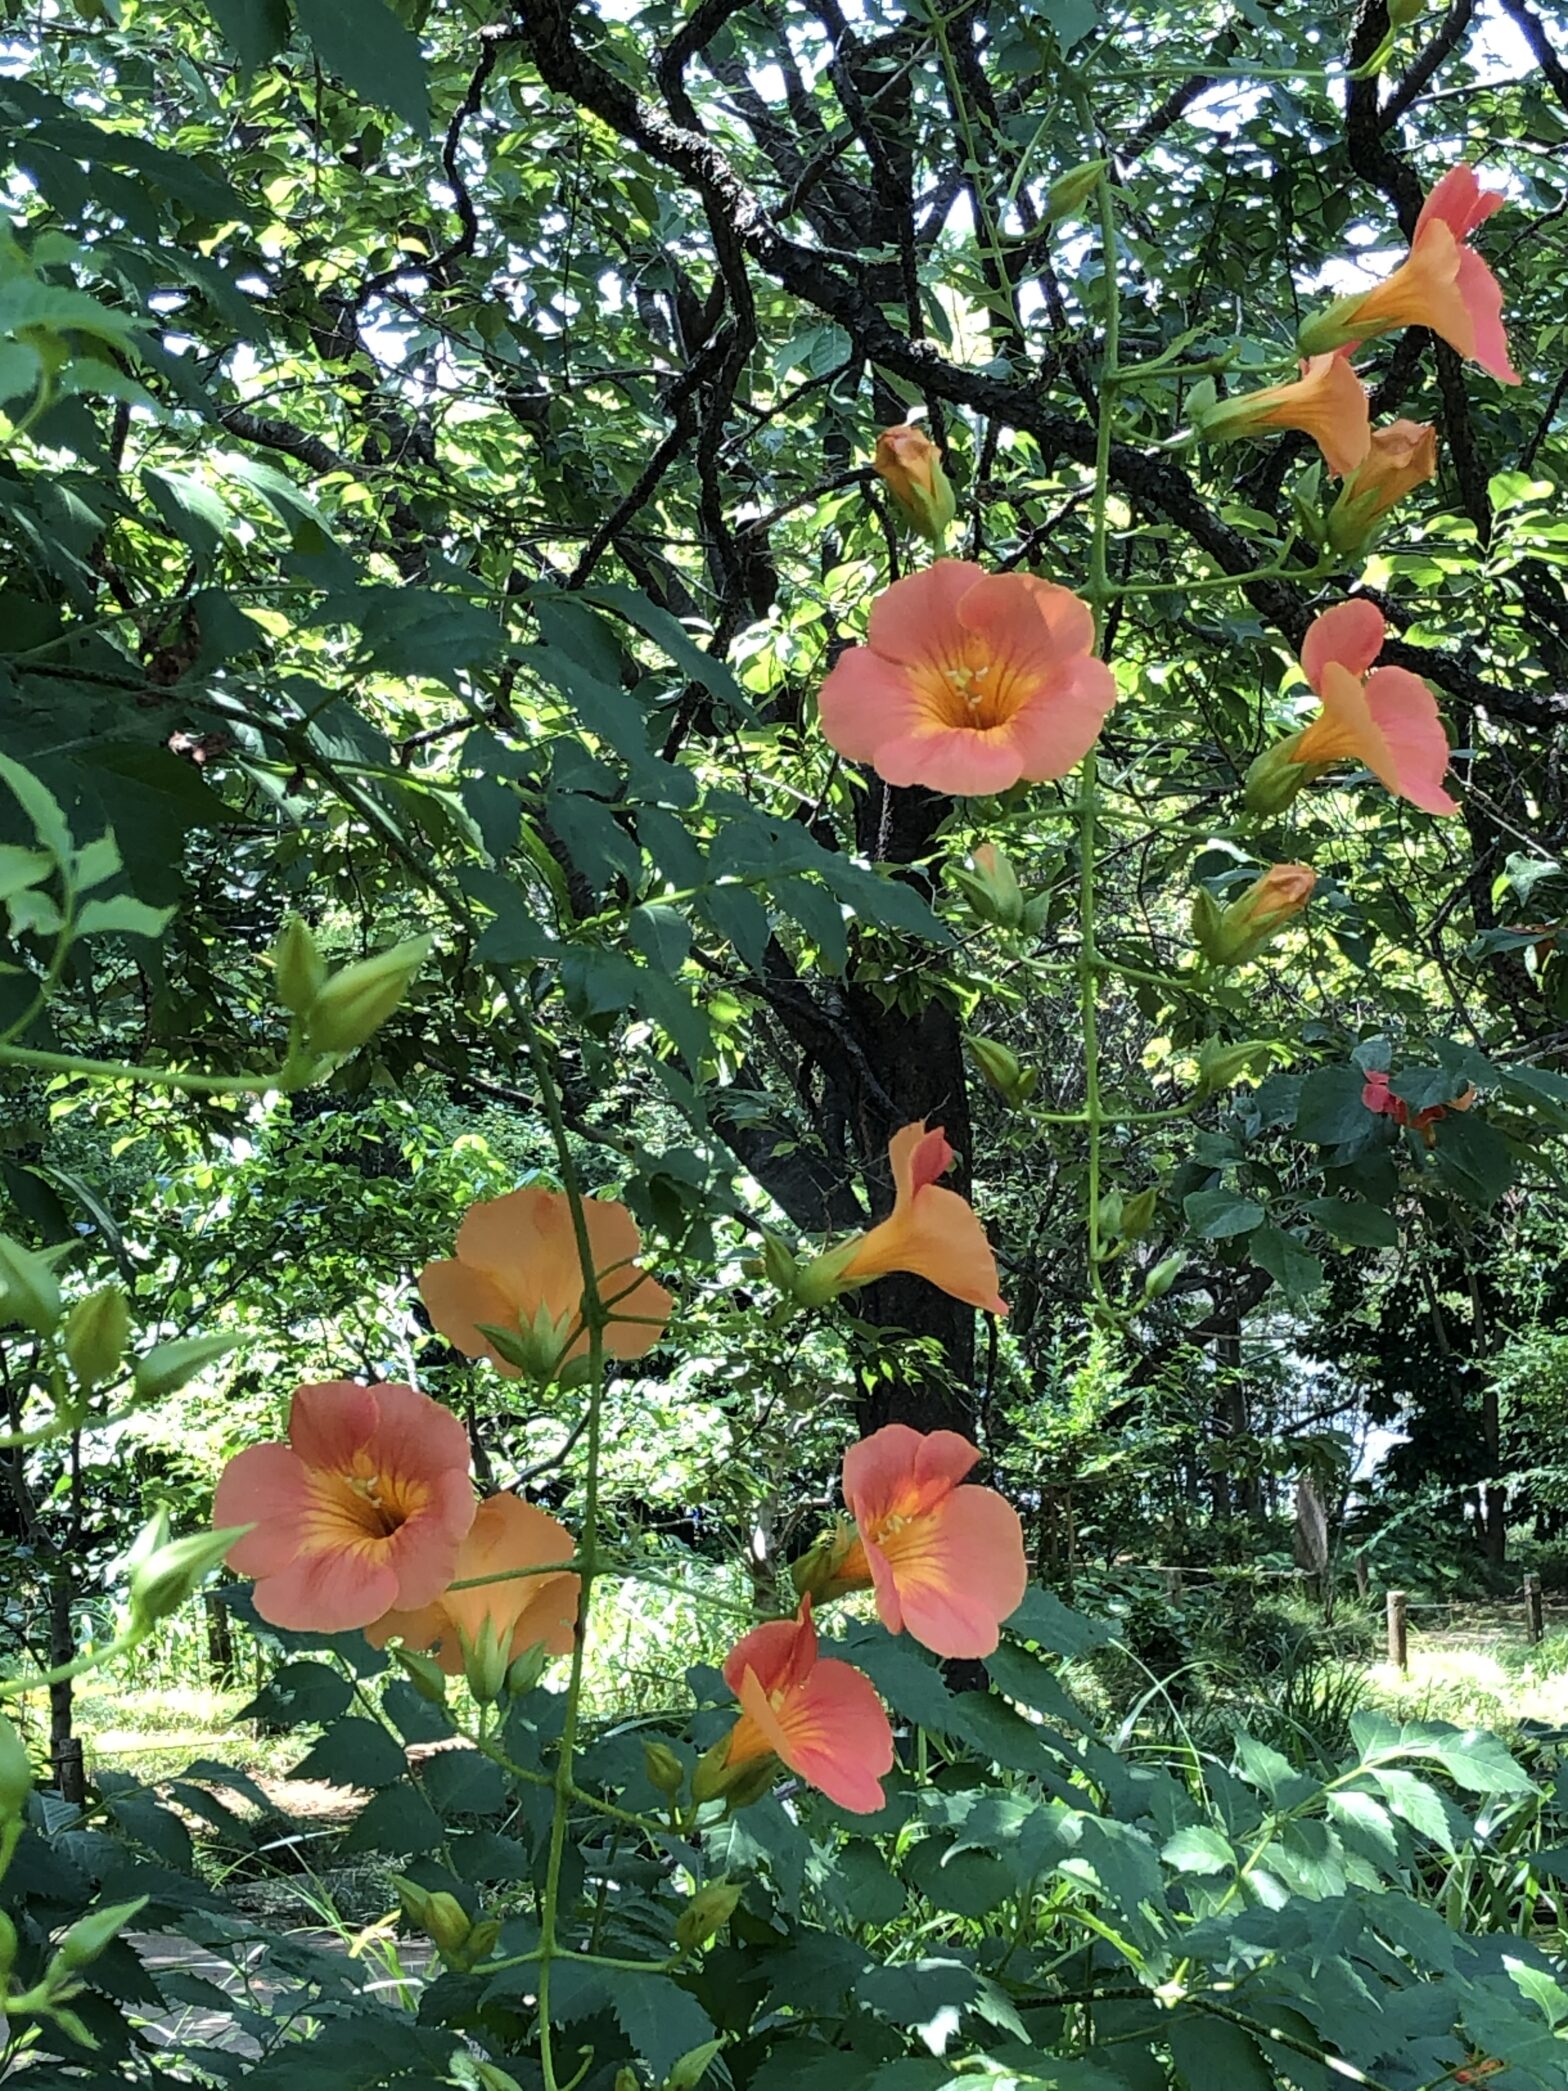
x=356 y=1002
x=992 y=887
x=822 y=1279
x=778 y=1263
x=1231 y=935
x=414 y=1900
x=485 y=1663
x=1401 y=13
x=446 y=1923
x=1068 y=194
x=29 y=1292
x=88 y=1937
x=7 y=1954
x=1220 y=1065
x=535 y=1350
x=168 y=1574
x=692 y=2067
x=491 y=2077
x=16 y=1777
x=910 y=466
x=298 y=970
x=999 y=1064
x=626 y=2080
x=424 y=1673
x=707 y=1913
x=96 y=1331
x=1163 y=1276
x=480 y=1943
x=665 y=1770
x=1138 y=1213
x=526 y=1670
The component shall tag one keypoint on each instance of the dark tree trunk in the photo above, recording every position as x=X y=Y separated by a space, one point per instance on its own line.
x=64 y=1749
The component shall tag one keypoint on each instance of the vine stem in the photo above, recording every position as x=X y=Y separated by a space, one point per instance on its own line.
x=595 y=1313
x=1100 y=593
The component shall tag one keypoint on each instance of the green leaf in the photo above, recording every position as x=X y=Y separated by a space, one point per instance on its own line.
x=1288 y=1260
x=463 y=1782
x=662 y=934
x=1211 y=2052
x=966 y=1883
x=192 y=511
x=660 y=2019
x=1043 y=1618
x=1474 y=1159
x=122 y=916
x=21 y=869
x=254 y=30
x=300 y=1695
x=1331 y=1111
x=1417 y=1803
x=416 y=632
x=370 y=50
x=354 y=1752
x=169 y=1366
x=1215 y=1215
x=41 y=807
x=1198 y=1849
x=398 y=1819
x=677 y=642
x=1353 y=1220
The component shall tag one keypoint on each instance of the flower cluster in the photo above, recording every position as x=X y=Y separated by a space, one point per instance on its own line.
x=946 y=1562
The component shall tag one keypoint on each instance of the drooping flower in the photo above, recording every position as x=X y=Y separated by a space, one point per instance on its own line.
x=930 y=1231
x=1403 y=456
x=945 y=1557
x=910 y=466
x=970 y=681
x=818 y=1716
x=1328 y=402
x=1380 y=1098
x=496 y=1620
x=1386 y=720
x=1229 y=936
x=363 y=1510
x=517 y=1272
x=1442 y=283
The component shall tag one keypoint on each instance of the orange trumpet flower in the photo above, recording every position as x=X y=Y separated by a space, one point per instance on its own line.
x=363 y=1509
x=1328 y=401
x=819 y=1716
x=930 y=1231
x=514 y=1291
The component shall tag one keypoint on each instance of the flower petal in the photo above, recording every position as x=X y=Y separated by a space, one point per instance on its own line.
x=938 y=1238
x=917 y=618
x=961 y=761
x=328 y=1592
x=458 y=1298
x=330 y=1421
x=1459 y=202
x=423 y=1552
x=415 y=1438
x=959 y=1572
x=1055 y=729
x=1351 y=633
x=1483 y=296
x=1032 y=626
x=866 y=702
x=263 y=1486
x=1405 y=714
x=773 y=1653
x=524 y=1243
x=835 y=1733
x=917 y=1157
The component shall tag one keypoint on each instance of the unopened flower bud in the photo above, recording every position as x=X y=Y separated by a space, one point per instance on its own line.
x=96 y=1331
x=1068 y=194
x=525 y=1670
x=490 y=2076
x=778 y=1262
x=424 y=1673
x=8 y=1943
x=707 y=1913
x=88 y=1937
x=1163 y=1276
x=29 y=1292
x=999 y=1064
x=480 y=1942
x=834 y=1566
x=445 y=1922
x=414 y=1899
x=991 y=887
x=1108 y=1215
x=1138 y=1213
x=1275 y=778
x=1231 y=935
x=356 y=1002
x=910 y=466
x=1401 y=13
x=665 y=1771
x=298 y=970
x=485 y=1663
x=822 y=1279
x=16 y=1777
x=1221 y=1064
x=167 y=1575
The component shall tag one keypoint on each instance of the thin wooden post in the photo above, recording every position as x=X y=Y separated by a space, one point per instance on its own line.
x=1363 y=1577
x=1534 y=1609
x=70 y=1771
x=1399 y=1631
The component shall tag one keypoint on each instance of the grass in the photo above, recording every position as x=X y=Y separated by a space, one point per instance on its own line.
x=1478 y=1673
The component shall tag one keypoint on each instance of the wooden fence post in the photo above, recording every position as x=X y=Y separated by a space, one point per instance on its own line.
x=1534 y=1610
x=1399 y=1631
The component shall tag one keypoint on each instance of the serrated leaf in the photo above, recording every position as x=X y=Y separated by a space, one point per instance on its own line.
x=354 y=1752
x=662 y=2021
x=1216 y=1215
x=122 y=916
x=370 y=50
